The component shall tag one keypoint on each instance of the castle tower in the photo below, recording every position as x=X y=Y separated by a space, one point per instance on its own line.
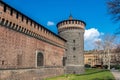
x=73 y=31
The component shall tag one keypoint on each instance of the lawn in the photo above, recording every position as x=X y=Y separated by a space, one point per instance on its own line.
x=90 y=74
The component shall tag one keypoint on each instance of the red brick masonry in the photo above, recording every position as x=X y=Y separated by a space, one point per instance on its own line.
x=22 y=39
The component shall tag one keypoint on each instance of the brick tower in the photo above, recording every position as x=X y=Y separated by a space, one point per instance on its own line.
x=73 y=31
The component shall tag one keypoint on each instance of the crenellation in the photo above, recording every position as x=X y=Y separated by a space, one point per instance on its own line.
x=19 y=19
x=35 y=25
x=1 y=6
x=7 y=11
x=27 y=21
x=13 y=17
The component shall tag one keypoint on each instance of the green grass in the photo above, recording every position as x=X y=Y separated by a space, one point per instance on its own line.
x=90 y=74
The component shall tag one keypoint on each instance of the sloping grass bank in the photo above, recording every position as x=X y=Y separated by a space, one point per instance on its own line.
x=90 y=74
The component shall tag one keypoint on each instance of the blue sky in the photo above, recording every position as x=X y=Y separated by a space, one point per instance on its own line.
x=50 y=12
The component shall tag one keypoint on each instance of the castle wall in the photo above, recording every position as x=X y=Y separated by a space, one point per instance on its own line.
x=19 y=51
x=21 y=39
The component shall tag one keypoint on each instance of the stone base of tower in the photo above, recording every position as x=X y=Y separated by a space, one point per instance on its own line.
x=74 y=69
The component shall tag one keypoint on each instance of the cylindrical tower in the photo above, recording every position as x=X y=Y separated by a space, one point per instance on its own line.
x=72 y=30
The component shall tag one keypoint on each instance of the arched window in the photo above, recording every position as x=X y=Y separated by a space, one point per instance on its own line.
x=40 y=59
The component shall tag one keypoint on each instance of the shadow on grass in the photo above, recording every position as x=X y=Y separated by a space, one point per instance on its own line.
x=92 y=73
x=104 y=78
x=108 y=78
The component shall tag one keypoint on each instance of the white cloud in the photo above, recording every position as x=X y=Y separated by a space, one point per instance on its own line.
x=50 y=23
x=90 y=36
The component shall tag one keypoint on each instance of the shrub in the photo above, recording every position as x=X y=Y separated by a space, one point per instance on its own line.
x=115 y=66
x=87 y=66
x=105 y=66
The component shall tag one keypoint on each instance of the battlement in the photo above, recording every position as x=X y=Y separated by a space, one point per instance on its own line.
x=70 y=24
x=15 y=20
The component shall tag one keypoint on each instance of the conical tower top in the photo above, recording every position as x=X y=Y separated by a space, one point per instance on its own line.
x=70 y=17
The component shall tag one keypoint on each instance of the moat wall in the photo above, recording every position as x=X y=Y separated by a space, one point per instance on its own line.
x=30 y=74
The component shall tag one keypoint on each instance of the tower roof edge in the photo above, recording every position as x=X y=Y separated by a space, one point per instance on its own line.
x=71 y=20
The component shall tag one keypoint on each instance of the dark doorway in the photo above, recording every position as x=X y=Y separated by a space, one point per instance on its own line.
x=64 y=61
x=40 y=59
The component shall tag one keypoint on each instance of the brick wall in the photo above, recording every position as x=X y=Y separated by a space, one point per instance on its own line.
x=21 y=39
x=14 y=45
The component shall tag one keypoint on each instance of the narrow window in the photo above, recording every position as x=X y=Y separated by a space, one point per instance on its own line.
x=64 y=60
x=74 y=56
x=3 y=62
x=73 y=41
x=74 y=48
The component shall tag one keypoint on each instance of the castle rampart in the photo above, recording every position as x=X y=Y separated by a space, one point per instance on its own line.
x=29 y=50
x=26 y=44
x=17 y=21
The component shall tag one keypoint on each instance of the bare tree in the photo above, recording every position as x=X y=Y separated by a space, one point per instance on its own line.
x=108 y=45
x=117 y=55
x=104 y=47
x=98 y=46
x=114 y=10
